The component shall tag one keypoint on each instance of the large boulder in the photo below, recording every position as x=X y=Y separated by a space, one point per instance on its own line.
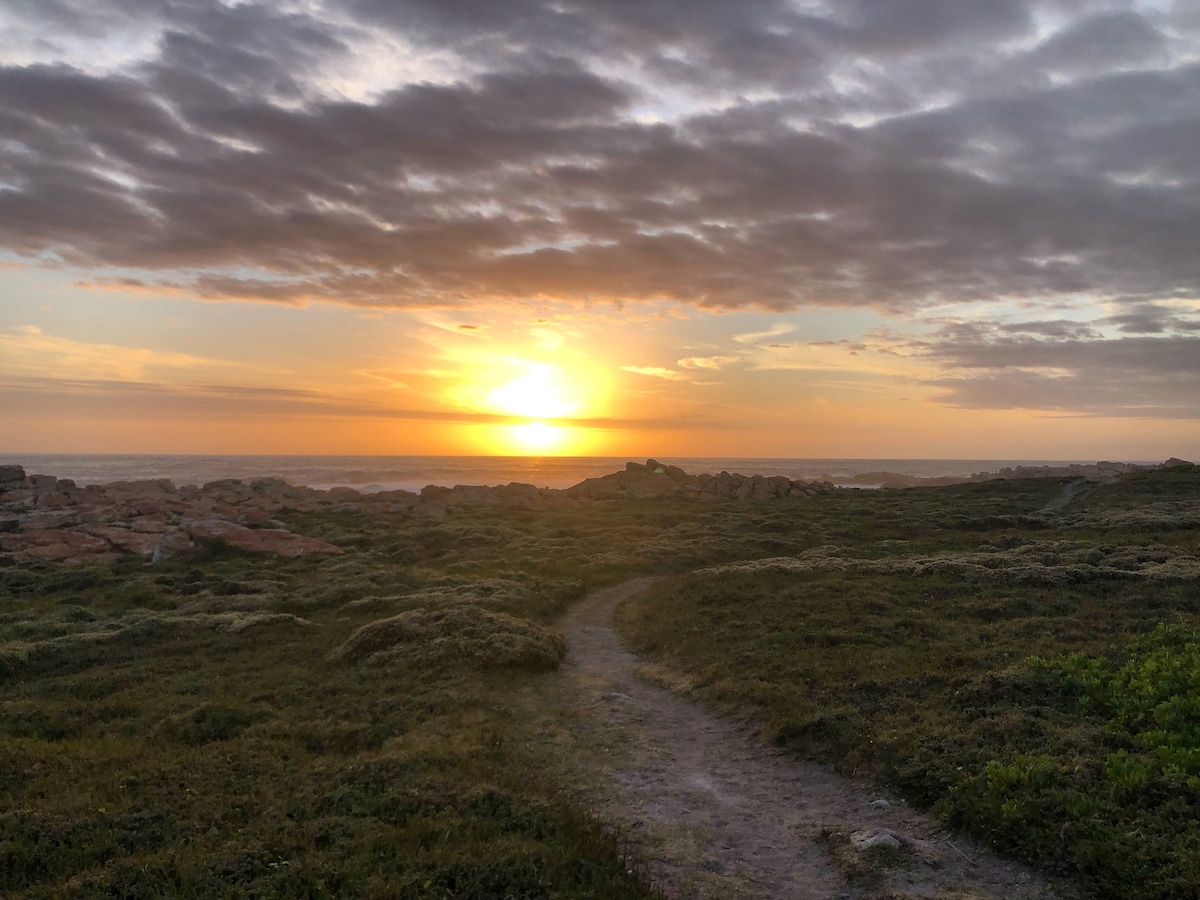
x=138 y=542
x=11 y=477
x=55 y=543
x=637 y=481
x=157 y=488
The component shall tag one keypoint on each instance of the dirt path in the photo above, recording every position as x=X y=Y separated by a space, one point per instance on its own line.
x=1069 y=492
x=721 y=814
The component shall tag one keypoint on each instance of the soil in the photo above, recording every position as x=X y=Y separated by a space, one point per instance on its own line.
x=722 y=814
x=1069 y=492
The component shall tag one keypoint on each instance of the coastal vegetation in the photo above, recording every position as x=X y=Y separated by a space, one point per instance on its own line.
x=375 y=723
x=232 y=724
x=1031 y=675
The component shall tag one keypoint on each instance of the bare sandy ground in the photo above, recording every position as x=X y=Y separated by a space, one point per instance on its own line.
x=721 y=814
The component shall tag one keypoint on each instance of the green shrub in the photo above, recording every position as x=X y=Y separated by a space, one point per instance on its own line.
x=459 y=635
x=1119 y=802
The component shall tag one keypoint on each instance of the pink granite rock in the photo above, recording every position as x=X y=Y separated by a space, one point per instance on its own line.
x=55 y=543
x=151 y=524
x=123 y=539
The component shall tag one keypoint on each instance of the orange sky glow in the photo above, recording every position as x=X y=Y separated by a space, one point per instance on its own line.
x=964 y=231
x=596 y=383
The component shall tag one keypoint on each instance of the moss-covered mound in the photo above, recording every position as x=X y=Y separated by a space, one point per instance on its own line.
x=462 y=635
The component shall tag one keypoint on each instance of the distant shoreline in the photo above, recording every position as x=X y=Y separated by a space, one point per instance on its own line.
x=373 y=474
x=46 y=517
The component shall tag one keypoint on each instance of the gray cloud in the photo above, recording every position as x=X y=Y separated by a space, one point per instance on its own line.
x=1154 y=397
x=1152 y=318
x=920 y=24
x=1057 y=328
x=866 y=153
x=1101 y=42
x=1069 y=367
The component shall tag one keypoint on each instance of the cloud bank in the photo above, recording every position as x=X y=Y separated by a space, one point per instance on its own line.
x=888 y=153
x=903 y=156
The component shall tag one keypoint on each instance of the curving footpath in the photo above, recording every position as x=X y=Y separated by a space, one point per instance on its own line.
x=719 y=813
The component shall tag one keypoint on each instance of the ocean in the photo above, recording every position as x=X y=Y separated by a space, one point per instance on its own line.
x=378 y=473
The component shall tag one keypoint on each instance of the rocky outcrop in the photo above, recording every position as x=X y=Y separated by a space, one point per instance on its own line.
x=1100 y=471
x=43 y=517
x=258 y=540
x=1103 y=471
x=10 y=475
x=657 y=480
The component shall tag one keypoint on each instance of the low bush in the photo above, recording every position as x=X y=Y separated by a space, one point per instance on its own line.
x=460 y=635
x=1119 y=799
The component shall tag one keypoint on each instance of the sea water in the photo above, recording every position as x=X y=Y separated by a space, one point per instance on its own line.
x=378 y=473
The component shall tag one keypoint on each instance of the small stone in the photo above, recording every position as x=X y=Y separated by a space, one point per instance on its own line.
x=865 y=840
x=880 y=804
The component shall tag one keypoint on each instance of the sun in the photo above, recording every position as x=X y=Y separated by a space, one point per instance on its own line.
x=537 y=407
x=538 y=394
x=538 y=435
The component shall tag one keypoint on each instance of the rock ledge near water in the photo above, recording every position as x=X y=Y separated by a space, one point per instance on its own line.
x=43 y=517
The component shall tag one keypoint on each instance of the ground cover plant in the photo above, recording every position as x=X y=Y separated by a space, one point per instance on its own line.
x=238 y=725
x=227 y=723
x=373 y=724
x=1031 y=673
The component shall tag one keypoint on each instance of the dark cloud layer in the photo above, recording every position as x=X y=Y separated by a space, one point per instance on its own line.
x=1070 y=367
x=894 y=153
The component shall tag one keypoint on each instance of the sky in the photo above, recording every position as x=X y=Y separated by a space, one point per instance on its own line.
x=772 y=228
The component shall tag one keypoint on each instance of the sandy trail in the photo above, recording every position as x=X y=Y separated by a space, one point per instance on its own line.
x=1070 y=491
x=722 y=814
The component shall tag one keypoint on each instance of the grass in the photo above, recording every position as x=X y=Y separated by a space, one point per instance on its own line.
x=179 y=731
x=229 y=724
x=1032 y=676
x=374 y=724
x=458 y=635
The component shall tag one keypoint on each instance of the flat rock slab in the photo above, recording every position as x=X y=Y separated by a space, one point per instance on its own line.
x=46 y=518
